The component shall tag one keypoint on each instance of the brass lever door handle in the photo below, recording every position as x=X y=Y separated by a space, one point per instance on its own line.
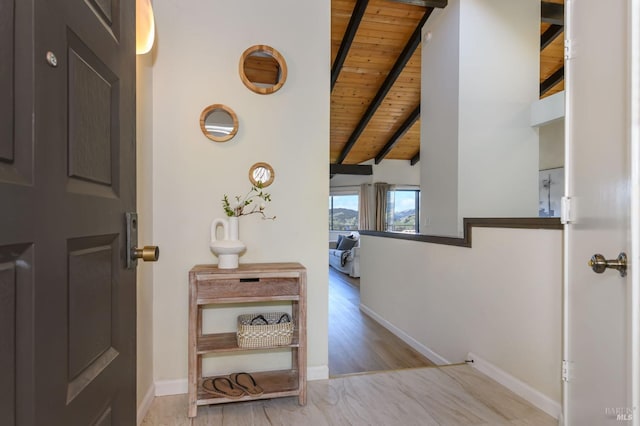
x=147 y=253
x=599 y=264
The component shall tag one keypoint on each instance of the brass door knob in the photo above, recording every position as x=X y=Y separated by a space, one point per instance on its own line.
x=147 y=253
x=599 y=264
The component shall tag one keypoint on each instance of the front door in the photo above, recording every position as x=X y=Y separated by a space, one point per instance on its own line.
x=67 y=177
x=598 y=327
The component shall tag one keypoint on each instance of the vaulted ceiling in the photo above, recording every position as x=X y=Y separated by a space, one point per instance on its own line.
x=375 y=76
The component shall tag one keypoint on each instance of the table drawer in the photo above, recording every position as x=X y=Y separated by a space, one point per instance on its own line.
x=247 y=287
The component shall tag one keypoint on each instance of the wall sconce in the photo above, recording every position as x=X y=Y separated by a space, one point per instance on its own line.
x=145 y=27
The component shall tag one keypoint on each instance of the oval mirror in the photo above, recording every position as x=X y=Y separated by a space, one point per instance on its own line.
x=218 y=122
x=261 y=174
x=263 y=69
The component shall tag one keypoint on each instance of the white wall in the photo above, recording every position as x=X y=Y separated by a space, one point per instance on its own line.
x=487 y=114
x=552 y=145
x=548 y=109
x=500 y=299
x=499 y=79
x=547 y=115
x=439 y=122
x=198 y=49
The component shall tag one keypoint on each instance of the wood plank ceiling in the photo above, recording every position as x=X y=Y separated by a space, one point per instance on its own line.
x=375 y=76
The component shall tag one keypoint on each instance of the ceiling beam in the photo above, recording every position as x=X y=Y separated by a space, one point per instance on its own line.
x=350 y=169
x=402 y=60
x=349 y=34
x=551 y=81
x=415 y=159
x=552 y=13
x=413 y=117
x=550 y=34
x=441 y=4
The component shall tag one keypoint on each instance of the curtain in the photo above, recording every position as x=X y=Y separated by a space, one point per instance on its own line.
x=364 y=208
x=381 y=205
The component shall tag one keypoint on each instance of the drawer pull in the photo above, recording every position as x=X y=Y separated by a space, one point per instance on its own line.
x=249 y=280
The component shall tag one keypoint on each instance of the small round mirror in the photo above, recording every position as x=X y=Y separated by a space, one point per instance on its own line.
x=218 y=122
x=261 y=174
x=263 y=69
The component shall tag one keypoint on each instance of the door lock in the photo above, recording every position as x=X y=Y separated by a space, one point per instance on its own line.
x=599 y=264
x=147 y=253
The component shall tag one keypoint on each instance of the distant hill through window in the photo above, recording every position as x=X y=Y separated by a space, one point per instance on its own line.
x=344 y=219
x=404 y=221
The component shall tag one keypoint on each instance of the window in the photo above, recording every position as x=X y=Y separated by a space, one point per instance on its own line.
x=403 y=210
x=343 y=212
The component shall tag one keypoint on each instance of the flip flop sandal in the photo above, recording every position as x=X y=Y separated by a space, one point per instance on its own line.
x=247 y=383
x=221 y=386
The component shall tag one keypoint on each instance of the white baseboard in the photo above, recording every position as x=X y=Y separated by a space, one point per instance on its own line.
x=171 y=387
x=146 y=403
x=318 y=373
x=177 y=387
x=517 y=386
x=433 y=356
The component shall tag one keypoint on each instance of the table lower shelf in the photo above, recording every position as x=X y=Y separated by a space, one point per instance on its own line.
x=274 y=383
x=227 y=342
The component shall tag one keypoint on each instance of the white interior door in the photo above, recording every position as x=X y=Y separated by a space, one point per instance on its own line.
x=598 y=307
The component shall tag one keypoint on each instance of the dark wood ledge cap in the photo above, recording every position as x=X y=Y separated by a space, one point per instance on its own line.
x=469 y=223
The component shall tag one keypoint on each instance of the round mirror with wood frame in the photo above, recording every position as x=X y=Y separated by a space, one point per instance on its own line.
x=263 y=69
x=218 y=122
x=261 y=175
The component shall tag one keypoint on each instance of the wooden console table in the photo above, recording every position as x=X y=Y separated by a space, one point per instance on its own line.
x=257 y=282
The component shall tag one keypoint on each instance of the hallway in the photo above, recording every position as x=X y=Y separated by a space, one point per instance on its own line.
x=357 y=343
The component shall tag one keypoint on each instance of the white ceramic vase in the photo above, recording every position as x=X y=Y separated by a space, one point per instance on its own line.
x=229 y=248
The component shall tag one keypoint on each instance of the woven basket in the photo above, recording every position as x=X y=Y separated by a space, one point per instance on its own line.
x=264 y=335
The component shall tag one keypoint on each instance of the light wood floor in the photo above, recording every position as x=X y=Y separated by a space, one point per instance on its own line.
x=356 y=342
x=452 y=395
